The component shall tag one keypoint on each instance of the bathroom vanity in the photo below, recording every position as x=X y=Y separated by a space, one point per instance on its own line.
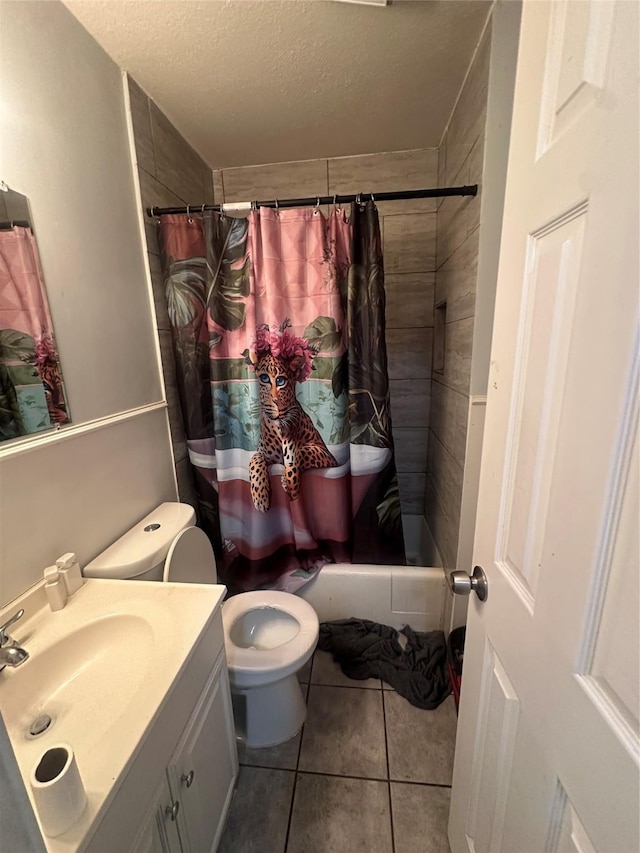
x=134 y=677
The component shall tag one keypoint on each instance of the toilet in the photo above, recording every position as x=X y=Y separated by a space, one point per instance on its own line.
x=269 y=635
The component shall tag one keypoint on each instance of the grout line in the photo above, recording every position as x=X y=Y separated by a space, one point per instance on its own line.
x=295 y=778
x=423 y=784
x=349 y=776
x=355 y=686
x=386 y=752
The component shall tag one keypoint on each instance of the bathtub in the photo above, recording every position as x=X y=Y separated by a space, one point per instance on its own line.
x=393 y=595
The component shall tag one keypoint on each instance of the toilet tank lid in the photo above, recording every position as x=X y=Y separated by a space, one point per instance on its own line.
x=144 y=546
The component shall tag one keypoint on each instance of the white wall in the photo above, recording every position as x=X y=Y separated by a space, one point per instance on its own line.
x=65 y=145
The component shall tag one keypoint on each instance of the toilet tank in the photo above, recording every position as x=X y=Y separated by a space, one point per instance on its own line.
x=140 y=553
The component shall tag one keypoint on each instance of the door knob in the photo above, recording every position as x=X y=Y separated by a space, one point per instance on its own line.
x=463 y=584
x=172 y=811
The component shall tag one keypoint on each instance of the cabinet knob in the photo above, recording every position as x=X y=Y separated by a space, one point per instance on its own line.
x=187 y=778
x=172 y=811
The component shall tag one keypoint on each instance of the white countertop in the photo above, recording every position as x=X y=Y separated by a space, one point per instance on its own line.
x=102 y=668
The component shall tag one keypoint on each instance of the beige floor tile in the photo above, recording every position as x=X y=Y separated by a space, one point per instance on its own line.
x=331 y=814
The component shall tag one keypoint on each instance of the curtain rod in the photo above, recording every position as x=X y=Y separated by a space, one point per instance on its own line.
x=312 y=201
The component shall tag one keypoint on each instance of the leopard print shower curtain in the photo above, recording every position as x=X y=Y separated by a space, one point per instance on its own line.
x=279 y=340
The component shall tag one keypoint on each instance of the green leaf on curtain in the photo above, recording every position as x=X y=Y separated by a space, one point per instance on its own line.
x=228 y=287
x=16 y=346
x=11 y=424
x=323 y=334
x=339 y=378
x=389 y=512
x=185 y=289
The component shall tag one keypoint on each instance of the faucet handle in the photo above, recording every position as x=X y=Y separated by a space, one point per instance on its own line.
x=3 y=637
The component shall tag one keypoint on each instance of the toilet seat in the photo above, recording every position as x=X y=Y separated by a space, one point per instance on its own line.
x=190 y=559
x=294 y=652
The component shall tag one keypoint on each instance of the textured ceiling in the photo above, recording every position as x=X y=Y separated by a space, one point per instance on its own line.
x=263 y=81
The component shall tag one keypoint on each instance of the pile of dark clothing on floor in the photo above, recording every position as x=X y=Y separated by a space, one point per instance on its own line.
x=415 y=668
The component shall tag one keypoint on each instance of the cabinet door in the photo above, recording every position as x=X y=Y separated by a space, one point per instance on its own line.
x=203 y=770
x=159 y=833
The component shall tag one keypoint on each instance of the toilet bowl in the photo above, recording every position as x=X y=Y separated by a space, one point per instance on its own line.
x=269 y=635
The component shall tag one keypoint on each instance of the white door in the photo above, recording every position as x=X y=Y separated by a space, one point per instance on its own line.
x=548 y=750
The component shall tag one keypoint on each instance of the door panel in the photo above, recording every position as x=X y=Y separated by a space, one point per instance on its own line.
x=495 y=742
x=548 y=749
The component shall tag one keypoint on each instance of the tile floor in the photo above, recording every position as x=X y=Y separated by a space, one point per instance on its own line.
x=369 y=772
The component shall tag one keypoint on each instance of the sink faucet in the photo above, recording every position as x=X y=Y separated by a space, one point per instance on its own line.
x=10 y=653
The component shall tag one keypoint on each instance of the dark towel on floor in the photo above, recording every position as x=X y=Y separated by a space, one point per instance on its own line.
x=367 y=649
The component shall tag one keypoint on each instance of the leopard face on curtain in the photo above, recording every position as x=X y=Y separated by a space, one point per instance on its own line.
x=278 y=331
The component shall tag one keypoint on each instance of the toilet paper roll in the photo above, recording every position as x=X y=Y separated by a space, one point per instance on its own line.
x=57 y=788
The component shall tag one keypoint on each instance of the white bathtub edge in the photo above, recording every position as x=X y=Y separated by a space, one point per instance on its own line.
x=391 y=595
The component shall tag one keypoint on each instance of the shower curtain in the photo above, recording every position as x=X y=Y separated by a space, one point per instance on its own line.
x=278 y=330
x=32 y=393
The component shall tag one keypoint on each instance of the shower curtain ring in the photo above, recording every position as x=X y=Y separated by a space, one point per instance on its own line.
x=189 y=217
x=316 y=209
x=202 y=211
x=277 y=207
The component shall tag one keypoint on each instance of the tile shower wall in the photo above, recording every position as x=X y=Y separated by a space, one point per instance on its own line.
x=409 y=245
x=171 y=174
x=458 y=231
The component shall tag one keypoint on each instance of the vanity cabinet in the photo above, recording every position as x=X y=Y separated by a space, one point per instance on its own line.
x=159 y=834
x=176 y=794
x=203 y=768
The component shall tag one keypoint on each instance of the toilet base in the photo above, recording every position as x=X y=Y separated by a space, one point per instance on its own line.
x=269 y=714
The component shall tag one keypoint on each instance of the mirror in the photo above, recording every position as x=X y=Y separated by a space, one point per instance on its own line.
x=32 y=392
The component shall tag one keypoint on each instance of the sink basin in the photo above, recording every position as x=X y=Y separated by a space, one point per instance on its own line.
x=101 y=664
x=99 y=670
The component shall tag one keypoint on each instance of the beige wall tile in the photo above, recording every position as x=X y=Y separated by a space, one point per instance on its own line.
x=155 y=194
x=409 y=353
x=159 y=295
x=456 y=280
x=410 y=205
x=457 y=355
x=218 y=187
x=448 y=419
x=409 y=300
x=208 y=194
x=411 y=449
x=410 y=402
x=411 y=492
x=445 y=479
x=151 y=234
x=298 y=179
x=178 y=438
x=178 y=166
x=409 y=243
x=386 y=172
x=442 y=162
x=468 y=120
x=443 y=528
x=459 y=216
x=141 y=120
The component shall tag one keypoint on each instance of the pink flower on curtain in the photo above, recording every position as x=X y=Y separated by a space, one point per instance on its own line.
x=280 y=343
